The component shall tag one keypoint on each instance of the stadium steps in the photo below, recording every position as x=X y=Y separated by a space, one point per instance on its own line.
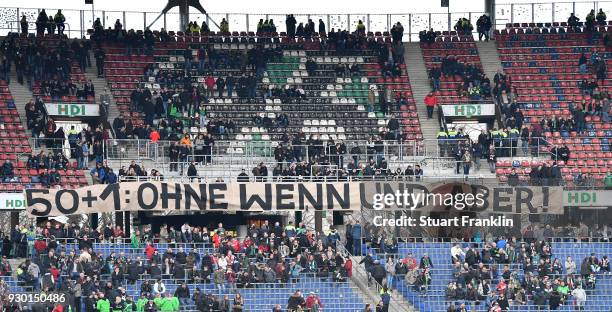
x=398 y=302
x=489 y=58
x=417 y=72
x=99 y=85
x=22 y=95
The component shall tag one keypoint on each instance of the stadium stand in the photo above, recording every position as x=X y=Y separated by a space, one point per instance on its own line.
x=453 y=60
x=550 y=89
x=341 y=99
x=529 y=280
x=216 y=264
x=195 y=94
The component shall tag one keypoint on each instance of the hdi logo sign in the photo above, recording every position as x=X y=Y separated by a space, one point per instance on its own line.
x=72 y=110
x=587 y=198
x=12 y=201
x=14 y=204
x=468 y=110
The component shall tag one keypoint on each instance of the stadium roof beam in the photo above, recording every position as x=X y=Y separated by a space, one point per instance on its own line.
x=490 y=10
x=183 y=11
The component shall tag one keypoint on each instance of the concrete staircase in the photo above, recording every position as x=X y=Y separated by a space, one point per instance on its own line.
x=419 y=81
x=91 y=73
x=489 y=58
x=22 y=95
x=372 y=294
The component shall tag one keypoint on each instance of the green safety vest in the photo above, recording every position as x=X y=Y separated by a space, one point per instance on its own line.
x=103 y=305
x=141 y=303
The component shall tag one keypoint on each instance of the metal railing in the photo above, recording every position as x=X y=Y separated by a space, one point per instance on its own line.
x=413 y=21
x=17 y=26
x=130 y=149
x=134 y=149
x=253 y=152
x=228 y=176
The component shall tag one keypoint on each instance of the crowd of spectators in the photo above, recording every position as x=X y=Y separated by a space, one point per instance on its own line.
x=179 y=105
x=484 y=272
x=495 y=270
x=37 y=60
x=304 y=158
x=529 y=274
x=268 y=255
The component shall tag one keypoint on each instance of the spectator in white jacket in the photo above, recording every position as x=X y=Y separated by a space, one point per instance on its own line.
x=457 y=253
x=580 y=297
x=159 y=287
x=570 y=266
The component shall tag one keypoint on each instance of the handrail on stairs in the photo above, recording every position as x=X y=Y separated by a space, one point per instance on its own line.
x=357 y=268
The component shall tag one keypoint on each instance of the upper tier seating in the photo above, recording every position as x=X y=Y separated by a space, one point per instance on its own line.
x=464 y=49
x=544 y=71
x=340 y=102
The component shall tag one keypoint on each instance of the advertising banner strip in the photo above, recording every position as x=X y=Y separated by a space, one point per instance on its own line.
x=279 y=196
x=587 y=198
x=12 y=201
x=468 y=110
x=72 y=110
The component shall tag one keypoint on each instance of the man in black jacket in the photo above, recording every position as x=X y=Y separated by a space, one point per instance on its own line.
x=182 y=293
x=378 y=272
x=290 y=23
x=192 y=171
x=243 y=177
x=99 y=55
x=134 y=269
x=311 y=67
x=394 y=126
x=220 y=86
x=513 y=178
x=483 y=26
x=173 y=154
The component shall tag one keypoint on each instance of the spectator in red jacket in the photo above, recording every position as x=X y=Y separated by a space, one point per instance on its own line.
x=154 y=136
x=431 y=101
x=149 y=251
x=410 y=262
x=40 y=245
x=348 y=266
x=312 y=301
x=210 y=85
